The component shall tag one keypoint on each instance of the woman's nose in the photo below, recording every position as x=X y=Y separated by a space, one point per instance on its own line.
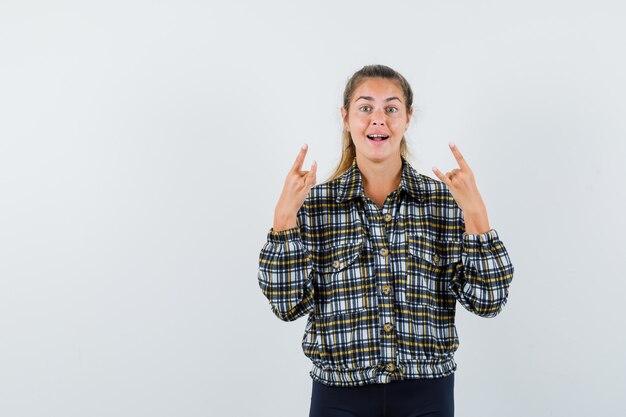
x=378 y=117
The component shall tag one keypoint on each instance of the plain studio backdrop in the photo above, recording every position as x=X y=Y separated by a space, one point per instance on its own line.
x=144 y=144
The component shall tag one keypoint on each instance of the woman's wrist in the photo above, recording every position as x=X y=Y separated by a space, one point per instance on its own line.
x=284 y=221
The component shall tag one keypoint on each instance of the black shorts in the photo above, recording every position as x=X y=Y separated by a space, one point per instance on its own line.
x=432 y=397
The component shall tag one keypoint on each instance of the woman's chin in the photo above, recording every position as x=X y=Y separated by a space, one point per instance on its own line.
x=378 y=157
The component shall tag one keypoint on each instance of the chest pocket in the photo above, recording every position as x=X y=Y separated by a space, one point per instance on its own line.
x=430 y=266
x=345 y=279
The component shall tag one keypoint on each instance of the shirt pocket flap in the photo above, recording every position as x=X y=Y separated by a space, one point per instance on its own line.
x=336 y=258
x=434 y=251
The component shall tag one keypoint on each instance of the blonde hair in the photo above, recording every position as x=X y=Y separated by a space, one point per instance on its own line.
x=348 y=151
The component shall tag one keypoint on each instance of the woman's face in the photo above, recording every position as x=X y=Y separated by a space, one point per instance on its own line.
x=377 y=107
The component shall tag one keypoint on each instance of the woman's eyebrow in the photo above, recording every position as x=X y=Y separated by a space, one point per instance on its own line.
x=370 y=98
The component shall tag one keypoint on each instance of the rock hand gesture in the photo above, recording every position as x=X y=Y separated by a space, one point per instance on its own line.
x=297 y=186
x=462 y=186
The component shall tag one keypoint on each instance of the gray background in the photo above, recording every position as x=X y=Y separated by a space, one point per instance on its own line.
x=143 y=146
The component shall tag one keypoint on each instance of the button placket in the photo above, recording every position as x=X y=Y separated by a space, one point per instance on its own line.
x=381 y=233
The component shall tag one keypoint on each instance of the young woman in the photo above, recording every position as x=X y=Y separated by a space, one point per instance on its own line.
x=377 y=257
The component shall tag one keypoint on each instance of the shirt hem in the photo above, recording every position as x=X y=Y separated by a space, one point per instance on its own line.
x=376 y=375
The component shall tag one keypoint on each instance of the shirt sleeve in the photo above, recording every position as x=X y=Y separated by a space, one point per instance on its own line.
x=482 y=278
x=285 y=270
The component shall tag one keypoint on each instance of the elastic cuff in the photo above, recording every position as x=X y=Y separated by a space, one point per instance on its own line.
x=486 y=238
x=284 y=236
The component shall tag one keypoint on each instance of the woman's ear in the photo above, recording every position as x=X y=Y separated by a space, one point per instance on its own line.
x=344 y=118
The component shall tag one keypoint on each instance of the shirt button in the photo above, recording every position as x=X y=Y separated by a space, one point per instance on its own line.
x=386 y=289
x=387 y=217
x=384 y=251
x=391 y=367
x=336 y=264
x=387 y=327
x=436 y=259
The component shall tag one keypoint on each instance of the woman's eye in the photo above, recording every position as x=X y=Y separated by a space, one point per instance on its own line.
x=369 y=108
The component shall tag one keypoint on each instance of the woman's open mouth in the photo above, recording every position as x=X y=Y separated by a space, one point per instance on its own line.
x=377 y=138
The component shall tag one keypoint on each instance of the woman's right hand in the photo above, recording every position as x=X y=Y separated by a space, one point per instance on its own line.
x=297 y=186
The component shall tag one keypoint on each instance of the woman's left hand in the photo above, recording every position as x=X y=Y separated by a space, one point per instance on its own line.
x=462 y=186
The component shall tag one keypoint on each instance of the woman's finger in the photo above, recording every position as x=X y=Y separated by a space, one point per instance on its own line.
x=312 y=174
x=300 y=159
x=459 y=158
x=441 y=176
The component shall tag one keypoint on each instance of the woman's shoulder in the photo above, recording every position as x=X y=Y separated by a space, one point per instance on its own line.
x=326 y=191
x=332 y=190
x=431 y=187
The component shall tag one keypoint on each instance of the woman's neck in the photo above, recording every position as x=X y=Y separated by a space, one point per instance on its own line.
x=380 y=178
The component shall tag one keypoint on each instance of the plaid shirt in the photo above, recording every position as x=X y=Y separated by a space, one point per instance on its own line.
x=380 y=285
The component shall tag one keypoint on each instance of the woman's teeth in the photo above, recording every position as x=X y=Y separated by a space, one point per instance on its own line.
x=377 y=138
